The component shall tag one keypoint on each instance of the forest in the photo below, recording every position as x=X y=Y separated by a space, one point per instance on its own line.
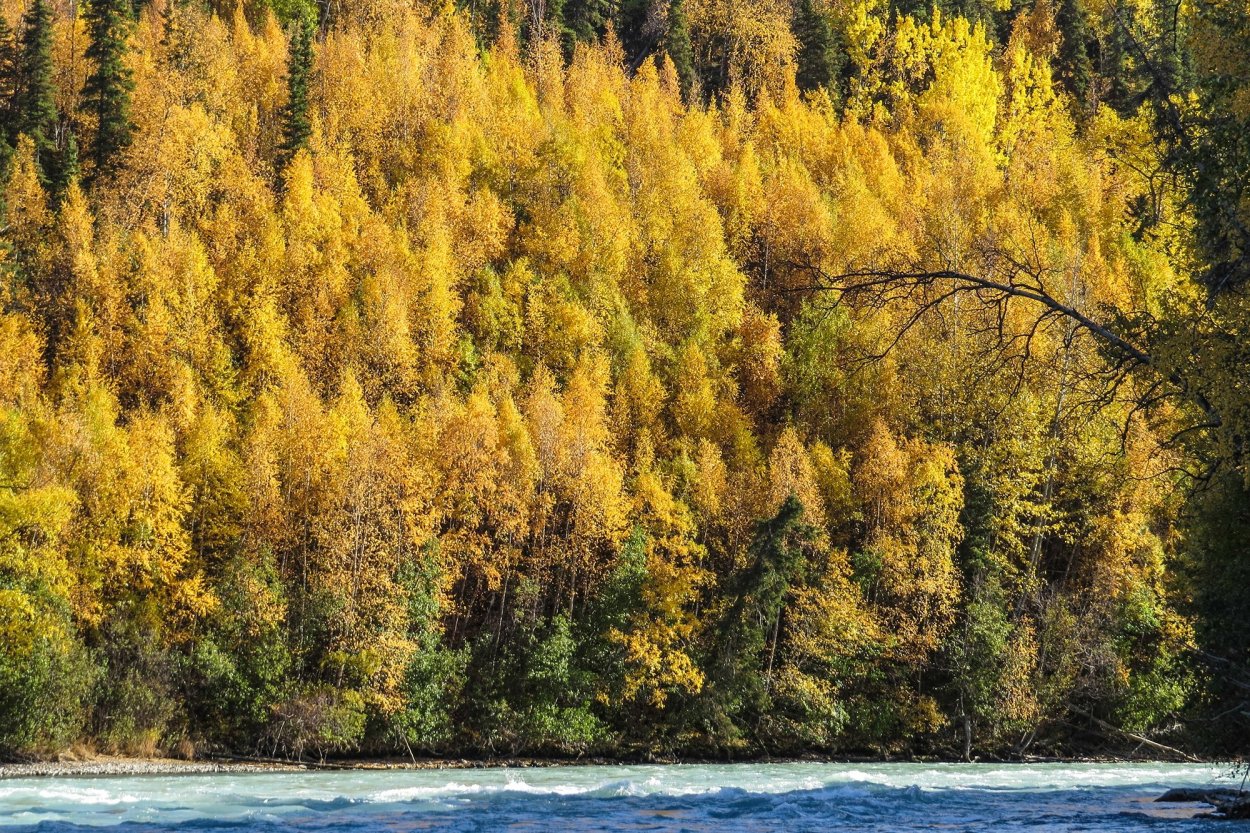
x=644 y=378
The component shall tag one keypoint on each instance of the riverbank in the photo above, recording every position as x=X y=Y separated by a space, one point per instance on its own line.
x=109 y=765
x=119 y=765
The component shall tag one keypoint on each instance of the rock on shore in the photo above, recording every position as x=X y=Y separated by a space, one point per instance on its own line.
x=1228 y=803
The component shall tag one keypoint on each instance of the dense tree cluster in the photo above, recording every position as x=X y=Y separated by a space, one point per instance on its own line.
x=414 y=379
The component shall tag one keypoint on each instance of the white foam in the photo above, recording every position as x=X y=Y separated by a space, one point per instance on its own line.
x=859 y=791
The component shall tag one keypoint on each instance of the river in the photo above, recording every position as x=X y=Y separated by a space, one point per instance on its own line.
x=790 y=797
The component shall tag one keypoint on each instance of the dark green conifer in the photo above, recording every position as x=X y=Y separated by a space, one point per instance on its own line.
x=585 y=21
x=8 y=93
x=64 y=168
x=106 y=95
x=554 y=23
x=677 y=45
x=736 y=672
x=631 y=19
x=295 y=125
x=1076 y=68
x=34 y=94
x=8 y=73
x=818 y=52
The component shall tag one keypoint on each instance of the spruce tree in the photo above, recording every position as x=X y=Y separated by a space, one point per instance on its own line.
x=755 y=596
x=677 y=44
x=295 y=125
x=554 y=23
x=106 y=95
x=586 y=21
x=818 y=54
x=64 y=168
x=1076 y=68
x=631 y=22
x=8 y=94
x=34 y=99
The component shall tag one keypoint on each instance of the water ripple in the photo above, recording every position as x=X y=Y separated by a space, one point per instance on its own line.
x=701 y=799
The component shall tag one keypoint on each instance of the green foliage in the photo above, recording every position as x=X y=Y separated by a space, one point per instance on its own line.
x=295 y=125
x=322 y=721
x=242 y=668
x=34 y=102
x=1074 y=64
x=296 y=12
x=136 y=703
x=8 y=78
x=433 y=686
x=633 y=31
x=435 y=678
x=741 y=668
x=1161 y=682
x=1215 y=158
x=825 y=397
x=46 y=674
x=556 y=713
x=993 y=693
x=106 y=94
x=65 y=168
x=677 y=46
x=818 y=59
x=586 y=21
x=614 y=610
x=1216 y=572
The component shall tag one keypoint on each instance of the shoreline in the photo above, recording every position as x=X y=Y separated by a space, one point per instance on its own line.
x=104 y=766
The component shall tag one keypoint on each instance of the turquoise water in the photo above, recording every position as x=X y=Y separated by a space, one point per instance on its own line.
x=737 y=797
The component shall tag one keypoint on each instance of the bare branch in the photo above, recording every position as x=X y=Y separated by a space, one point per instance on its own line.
x=887 y=286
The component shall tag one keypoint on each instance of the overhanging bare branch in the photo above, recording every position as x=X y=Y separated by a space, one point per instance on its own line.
x=884 y=286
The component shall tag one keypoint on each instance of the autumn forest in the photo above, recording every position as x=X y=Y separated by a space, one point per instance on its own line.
x=624 y=377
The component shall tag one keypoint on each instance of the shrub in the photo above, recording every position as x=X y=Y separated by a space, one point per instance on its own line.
x=46 y=675
x=324 y=721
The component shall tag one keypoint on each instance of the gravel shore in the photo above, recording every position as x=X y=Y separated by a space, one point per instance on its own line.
x=106 y=766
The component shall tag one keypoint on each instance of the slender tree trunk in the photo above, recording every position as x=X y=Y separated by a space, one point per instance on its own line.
x=967 y=737
x=772 y=653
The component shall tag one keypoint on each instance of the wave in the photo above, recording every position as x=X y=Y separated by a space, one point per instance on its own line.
x=718 y=799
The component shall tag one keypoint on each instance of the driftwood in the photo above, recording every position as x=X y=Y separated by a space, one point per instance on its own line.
x=282 y=762
x=1145 y=741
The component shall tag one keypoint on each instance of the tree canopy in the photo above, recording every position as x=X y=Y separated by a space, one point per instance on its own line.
x=645 y=377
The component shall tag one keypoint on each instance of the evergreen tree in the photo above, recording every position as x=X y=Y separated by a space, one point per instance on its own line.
x=1215 y=157
x=586 y=21
x=1076 y=69
x=565 y=20
x=64 y=168
x=34 y=96
x=818 y=54
x=106 y=95
x=8 y=92
x=752 y=619
x=631 y=20
x=677 y=45
x=8 y=74
x=295 y=125
x=554 y=18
